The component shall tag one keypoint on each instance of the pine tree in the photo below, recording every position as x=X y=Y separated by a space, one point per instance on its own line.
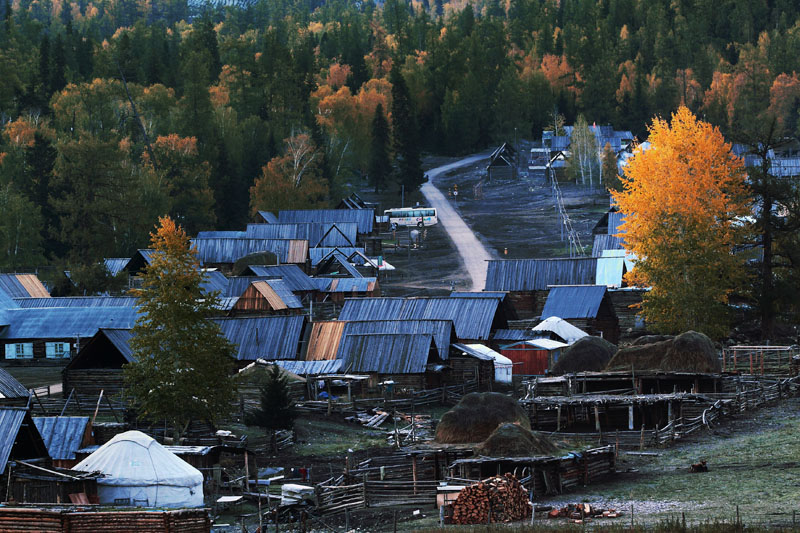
x=277 y=410
x=182 y=362
x=405 y=134
x=380 y=165
x=609 y=169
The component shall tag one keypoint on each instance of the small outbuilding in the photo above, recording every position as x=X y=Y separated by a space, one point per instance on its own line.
x=502 y=365
x=533 y=357
x=141 y=472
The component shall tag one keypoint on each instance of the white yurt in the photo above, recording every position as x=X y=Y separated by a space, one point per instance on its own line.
x=139 y=471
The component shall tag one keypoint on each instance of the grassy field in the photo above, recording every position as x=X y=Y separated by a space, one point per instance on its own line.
x=35 y=376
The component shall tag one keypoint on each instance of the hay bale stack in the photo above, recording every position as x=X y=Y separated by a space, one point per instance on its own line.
x=477 y=415
x=511 y=440
x=688 y=352
x=650 y=339
x=588 y=354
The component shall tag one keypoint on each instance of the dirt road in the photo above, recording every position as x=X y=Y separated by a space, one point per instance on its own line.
x=472 y=252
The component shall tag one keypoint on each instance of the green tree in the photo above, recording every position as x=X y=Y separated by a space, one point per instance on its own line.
x=609 y=169
x=182 y=363
x=20 y=230
x=380 y=166
x=405 y=134
x=277 y=410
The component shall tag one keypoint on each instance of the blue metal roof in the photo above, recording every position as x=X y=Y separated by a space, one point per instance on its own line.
x=350 y=285
x=283 y=291
x=268 y=338
x=10 y=387
x=365 y=218
x=472 y=317
x=538 y=274
x=484 y=294
x=115 y=265
x=386 y=353
x=214 y=280
x=317 y=255
x=238 y=284
x=13 y=286
x=62 y=435
x=605 y=242
x=512 y=335
x=441 y=330
x=221 y=235
x=120 y=338
x=291 y=274
x=65 y=322
x=576 y=301
x=268 y=217
x=10 y=423
x=76 y=301
x=615 y=220
x=316 y=233
x=312 y=368
x=216 y=251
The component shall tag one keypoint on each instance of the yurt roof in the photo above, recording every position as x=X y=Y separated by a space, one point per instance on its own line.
x=133 y=458
x=560 y=327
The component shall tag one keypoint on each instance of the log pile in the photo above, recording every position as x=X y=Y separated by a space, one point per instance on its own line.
x=578 y=513
x=497 y=499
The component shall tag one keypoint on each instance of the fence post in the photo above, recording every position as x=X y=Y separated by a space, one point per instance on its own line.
x=364 y=491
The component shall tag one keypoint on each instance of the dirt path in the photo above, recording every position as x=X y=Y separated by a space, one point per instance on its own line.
x=472 y=252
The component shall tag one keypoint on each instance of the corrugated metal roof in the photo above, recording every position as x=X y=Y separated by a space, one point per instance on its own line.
x=322 y=284
x=22 y=286
x=610 y=271
x=441 y=330
x=560 y=327
x=316 y=233
x=323 y=343
x=10 y=387
x=511 y=335
x=319 y=254
x=312 y=368
x=386 y=353
x=76 y=301
x=352 y=285
x=221 y=234
x=115 y=265
x=615 y=220
x=238 y=284
x=472 y=317
x=605 y=242
x=62 y=435
x=277 y=294
x=479 y=351
x=268 y=338
x=365 y=218
x=217 y=251
x=65 y=322
x=291 y=274
x=538 y=274
x=574 y=301
x=484 y=294
x=10 y=423
x=268 y=217
x=120 y=338
x=214 y=280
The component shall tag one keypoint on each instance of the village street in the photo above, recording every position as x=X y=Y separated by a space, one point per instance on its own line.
x=471 y=250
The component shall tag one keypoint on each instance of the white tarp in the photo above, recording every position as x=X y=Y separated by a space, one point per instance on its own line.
x=560 y=327
x=502 y=364
x=139 y=469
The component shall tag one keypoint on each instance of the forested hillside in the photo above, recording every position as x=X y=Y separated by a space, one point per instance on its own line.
x=117 y=111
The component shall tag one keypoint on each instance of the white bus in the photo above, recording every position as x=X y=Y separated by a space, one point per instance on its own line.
x=411 y=216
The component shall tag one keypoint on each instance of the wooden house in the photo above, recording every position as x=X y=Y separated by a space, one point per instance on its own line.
x=222 y=253
x=12 y=392
x=337 y=289
x=410 y=361
x=364 y=218
x=64 y=436
x=533 y=357
x=527 y=281
x=20 y=440
x=502 y=163
x=98 y=365
x=587 y=307
x=270 y=296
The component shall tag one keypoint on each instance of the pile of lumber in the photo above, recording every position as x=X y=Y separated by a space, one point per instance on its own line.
x=578 y=513
x=497 y=499
x=370 y=419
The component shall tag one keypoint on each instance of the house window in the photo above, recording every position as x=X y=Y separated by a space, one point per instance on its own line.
x=56 y=350
x=19 y=350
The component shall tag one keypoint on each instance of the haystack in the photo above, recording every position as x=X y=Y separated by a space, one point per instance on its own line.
x=588 y=354
x=477 y=415
x=688 y=352
x=512 y=440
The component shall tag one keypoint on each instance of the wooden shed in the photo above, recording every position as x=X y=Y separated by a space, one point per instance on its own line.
x=533 y=357
x=587 y=307
x=98 y=366
x=271 y=296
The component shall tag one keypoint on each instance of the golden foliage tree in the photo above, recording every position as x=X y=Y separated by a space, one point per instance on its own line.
x=683 y=199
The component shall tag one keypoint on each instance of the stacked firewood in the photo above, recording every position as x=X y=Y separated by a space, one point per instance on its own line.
x=497 y=499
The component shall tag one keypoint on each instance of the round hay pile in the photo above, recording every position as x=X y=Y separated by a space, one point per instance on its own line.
x=688 y=352
x=588 y=354
x=511 y=440
x=477 y=415
x=650 y=339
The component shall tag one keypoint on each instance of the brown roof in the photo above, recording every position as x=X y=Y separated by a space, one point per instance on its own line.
x=323 y=344
x=298 y=251
x=270 y=295
x=33 y=285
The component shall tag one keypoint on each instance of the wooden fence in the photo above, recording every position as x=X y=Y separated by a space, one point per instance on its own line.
x=58 y=520
x=75 y=404
x=759 y=360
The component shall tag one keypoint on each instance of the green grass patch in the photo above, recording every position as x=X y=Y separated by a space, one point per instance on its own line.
x=35 y=376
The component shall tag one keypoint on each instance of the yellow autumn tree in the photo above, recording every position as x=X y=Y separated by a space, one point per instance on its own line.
x=684 y=199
